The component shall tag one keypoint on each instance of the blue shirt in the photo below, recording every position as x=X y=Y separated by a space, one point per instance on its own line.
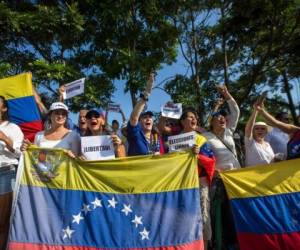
x=137 y=142
x=293 y=146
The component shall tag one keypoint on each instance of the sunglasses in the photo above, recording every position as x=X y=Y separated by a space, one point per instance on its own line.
x=260 y=128
x=60 y=112
x=95 y=115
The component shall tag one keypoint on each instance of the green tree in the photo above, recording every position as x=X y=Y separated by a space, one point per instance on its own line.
x=249 y=46
x=60 y=41
x=46 y=37
x=265 y=33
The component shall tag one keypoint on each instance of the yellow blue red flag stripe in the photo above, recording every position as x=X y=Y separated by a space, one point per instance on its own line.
x=266 y=205
x=145 y=202
x=22 y=108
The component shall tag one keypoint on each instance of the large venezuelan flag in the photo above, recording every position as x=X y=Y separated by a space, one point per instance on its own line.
x=21 y=104
x=266 y=205
x=144 y=202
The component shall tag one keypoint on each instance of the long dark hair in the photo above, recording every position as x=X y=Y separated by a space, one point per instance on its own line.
x=5 y=113
x=185 y=114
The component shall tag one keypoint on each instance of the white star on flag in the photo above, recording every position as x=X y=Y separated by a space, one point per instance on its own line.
x=86 y=208
x=77 y=218
x=137 y=220
x=126 y=209
x=96 y=203
x=112 y=202
x=145 y=234
x=68 y=232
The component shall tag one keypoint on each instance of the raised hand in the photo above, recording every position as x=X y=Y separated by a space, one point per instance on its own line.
x=150 y=83
x=222 y=89
x=259 y=105
x=61 y=91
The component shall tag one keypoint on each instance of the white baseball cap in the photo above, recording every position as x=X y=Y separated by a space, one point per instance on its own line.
x=58 y=105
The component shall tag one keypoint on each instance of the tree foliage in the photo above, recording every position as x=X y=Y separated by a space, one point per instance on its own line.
x=60 y=41
x=250 y=46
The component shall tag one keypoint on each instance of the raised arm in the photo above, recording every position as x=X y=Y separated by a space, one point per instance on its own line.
x=233 y=117
x=286 y=128
x=61 y=91
x=43 y=110
x=250 y=124
x=138 y=108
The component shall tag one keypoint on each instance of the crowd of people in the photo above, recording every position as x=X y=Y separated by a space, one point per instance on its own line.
x=264 y=142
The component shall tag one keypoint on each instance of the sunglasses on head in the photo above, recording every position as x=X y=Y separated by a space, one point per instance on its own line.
x=95 y=115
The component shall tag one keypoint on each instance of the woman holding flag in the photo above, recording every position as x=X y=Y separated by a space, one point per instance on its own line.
x=206 y=168
x=11 y=138
x=57 y=135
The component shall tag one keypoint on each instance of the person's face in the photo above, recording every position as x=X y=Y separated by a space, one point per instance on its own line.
x=58 y=117
x=190 y=122
x=218 y=122
x=146 y=122
x=95 y=122
x=82 y=123
x=259 y=132
x=115 y=126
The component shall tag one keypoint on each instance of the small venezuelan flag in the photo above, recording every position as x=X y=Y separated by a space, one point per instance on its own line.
x=266 y=205
x=143 y=202
x=22 y=108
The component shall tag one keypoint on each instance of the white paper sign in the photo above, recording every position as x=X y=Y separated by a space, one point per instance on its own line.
x=172 y=110
x=97 y=147
x=182 y=141
x=74 y=88
x=114 y=107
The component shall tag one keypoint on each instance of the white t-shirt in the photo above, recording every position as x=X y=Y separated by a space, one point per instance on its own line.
x=225 y=159
x=70 y=142
x=13 y=132
x=257 y=153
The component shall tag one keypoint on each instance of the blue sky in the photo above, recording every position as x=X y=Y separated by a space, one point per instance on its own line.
x=156 y=100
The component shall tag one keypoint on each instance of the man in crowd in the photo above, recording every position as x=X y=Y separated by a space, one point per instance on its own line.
x=141 y=138
x=277 y=138
x=82 y=127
